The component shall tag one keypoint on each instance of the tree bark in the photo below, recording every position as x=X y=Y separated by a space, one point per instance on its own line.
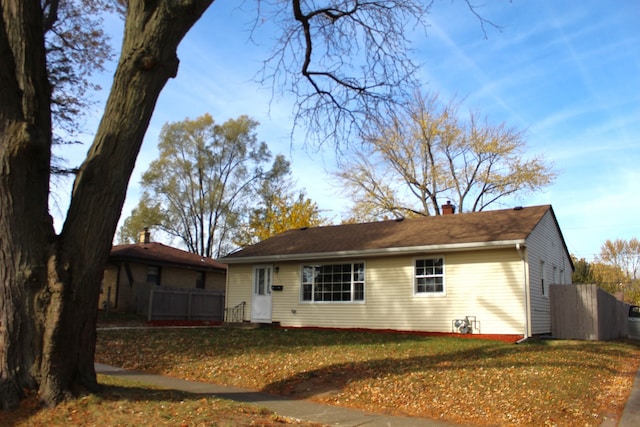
x=50 y=284
x=26 y=231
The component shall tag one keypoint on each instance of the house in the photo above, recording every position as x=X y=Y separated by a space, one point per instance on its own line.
x=483 y=272
x=137 y=268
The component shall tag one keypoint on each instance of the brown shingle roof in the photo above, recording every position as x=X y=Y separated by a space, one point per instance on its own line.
x=158 y=254
x=485 y=227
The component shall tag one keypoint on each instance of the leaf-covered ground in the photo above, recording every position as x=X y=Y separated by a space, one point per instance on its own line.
x=466 y=381
x=124 y=403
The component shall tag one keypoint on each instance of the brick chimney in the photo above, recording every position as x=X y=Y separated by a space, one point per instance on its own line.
x=144 y=236
x=448 y=209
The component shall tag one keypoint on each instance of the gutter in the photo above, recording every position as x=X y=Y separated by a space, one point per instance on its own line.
x=452 y=247
x=525 y=292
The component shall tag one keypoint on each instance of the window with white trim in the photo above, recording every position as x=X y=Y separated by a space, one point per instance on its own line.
x=333 y=283
x=429 y=276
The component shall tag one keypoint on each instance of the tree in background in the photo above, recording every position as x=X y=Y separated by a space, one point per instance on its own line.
x=207 y=175
x=615 y=269
x=278 y=209
x=621 y=260
x=608 y=277
x=341 y=59
x=623 y=254
x=76 y=47
x=146 y=215
x=583 y=271
x=426 y=153
x=278 y=214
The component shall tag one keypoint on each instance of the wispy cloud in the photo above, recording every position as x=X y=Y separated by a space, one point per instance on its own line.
x=567 y=73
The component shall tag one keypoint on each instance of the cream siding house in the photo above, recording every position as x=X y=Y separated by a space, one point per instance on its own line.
x=475 y=272
x=546 y=265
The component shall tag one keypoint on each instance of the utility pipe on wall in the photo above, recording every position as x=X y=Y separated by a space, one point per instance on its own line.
x=520 y=249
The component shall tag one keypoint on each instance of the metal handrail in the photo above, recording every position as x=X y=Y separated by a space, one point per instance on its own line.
x=235 y=314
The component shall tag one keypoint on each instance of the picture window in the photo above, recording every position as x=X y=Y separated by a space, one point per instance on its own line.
x=333 y=283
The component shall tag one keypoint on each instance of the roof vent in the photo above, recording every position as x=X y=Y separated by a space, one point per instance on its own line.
x=518 y=208
x=304 y=228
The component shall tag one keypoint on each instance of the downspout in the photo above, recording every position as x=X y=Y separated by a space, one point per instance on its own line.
x=525 y=293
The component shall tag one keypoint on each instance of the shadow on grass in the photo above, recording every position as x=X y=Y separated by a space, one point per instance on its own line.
x=30 y=407
x=124 y=402
x=566 y=368
x=569 y=357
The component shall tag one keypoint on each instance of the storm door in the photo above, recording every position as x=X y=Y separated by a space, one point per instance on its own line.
x=261 y=300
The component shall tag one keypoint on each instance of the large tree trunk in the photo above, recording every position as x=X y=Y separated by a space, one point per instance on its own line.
x=50 y=284
x=26 y=232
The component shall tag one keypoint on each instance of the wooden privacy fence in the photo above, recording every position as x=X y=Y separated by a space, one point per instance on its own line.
x=586 y=312
x=186 y=304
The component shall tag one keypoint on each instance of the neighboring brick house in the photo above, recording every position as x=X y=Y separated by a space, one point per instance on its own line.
x=484 y=272
x=135 y=269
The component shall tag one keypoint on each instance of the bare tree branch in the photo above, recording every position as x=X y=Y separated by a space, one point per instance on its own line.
x=427 y=154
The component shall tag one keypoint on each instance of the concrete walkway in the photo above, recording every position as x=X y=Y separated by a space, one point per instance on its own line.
x=326 y=414
x=291 y=408
x=631 y=415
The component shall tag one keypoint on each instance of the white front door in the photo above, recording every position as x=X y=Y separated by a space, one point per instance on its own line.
x=261 y=302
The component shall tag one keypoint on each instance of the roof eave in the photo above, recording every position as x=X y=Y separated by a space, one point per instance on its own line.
x=368 y=253
x=164 y=263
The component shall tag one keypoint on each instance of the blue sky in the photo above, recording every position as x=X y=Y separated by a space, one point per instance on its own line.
x=565 y=72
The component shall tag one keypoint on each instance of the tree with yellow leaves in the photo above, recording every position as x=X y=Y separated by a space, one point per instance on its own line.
x=280 y=213
x=624 y=254
x=426 y=153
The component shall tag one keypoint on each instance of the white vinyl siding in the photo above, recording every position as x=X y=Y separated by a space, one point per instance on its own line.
x=239 y=287
x=486 y=284
x=546 y=257
x=501 y=287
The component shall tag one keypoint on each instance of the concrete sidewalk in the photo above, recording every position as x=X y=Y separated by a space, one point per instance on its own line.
x=631 y=415
x=327 y=414
x=291 y=408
